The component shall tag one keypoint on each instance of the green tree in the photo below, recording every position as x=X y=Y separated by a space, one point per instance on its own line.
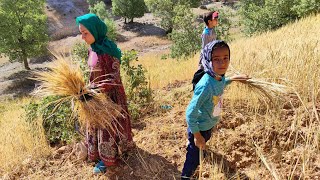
x=129 y=9
x=223 y=28
x=100 y=10
x=164 y=9
x=186 y=34
x=22 y=29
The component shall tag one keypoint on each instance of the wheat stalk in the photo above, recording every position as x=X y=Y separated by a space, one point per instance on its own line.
x=65 y=80
x=265 y=89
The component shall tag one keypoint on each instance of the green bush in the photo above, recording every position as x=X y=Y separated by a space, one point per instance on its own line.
x=79 y=53
x=223 y=28
x=136 y=85
x=306 y=7
x=58 y=123
x=186 y=34
x=164 y=9
x=264 y=15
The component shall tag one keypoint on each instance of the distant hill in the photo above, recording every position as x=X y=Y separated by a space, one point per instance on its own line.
x=61 y=17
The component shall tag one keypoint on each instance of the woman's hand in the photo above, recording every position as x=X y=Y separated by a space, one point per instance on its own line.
x=240 y=77
x=199 y=140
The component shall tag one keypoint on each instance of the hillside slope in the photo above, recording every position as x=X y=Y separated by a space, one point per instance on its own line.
x=252 y=140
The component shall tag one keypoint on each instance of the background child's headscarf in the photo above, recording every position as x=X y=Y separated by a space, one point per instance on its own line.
x=98 y=29
x=206 y=56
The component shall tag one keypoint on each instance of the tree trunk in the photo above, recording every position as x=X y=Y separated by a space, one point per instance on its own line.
x=125 y=20
x=25 y=62
x=131 y=21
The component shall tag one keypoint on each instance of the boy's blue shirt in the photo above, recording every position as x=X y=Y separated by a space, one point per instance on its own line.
x=199 y=114
x=207 y=36
x=207 y=30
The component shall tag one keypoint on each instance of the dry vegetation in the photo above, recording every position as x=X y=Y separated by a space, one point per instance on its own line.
x=19 y=141
x=254 y=139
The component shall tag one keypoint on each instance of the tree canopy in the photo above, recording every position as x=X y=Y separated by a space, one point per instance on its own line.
x=129 y=9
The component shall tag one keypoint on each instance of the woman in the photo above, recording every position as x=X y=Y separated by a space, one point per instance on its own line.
x=104 y=62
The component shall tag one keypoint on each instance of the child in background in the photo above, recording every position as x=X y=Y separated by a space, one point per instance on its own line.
x=209 y=34
x=205 y=106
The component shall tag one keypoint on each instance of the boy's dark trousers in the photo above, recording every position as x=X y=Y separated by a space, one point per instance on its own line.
x=192 y=157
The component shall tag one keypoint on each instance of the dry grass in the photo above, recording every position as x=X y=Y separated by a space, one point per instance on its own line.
x=162 y=72
x=291 y=54
x=65 y=79
x=18 y=140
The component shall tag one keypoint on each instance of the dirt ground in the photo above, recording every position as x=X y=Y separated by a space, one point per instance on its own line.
x=236 y=146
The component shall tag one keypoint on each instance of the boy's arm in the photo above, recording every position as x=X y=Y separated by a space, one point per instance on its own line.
x=201 y=93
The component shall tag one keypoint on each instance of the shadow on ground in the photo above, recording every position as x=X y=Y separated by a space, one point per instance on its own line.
x=144 y=165
x=144 y=29
x=21 y=83
x=136 y=165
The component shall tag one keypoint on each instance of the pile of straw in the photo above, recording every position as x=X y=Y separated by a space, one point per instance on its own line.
x=65 y=79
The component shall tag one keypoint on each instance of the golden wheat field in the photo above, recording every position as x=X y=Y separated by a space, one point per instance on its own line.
x=254 y=140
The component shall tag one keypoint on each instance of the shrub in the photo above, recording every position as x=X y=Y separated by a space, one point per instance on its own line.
x=58 y=123
x=79 y=54
x=264 y=15
x=164 y=9
x=186 y=34
x=136 y=85
x=223 y=28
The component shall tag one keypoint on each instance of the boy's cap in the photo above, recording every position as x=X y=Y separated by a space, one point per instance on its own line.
x=215 y=15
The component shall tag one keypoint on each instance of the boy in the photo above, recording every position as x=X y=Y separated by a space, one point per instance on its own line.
x=209 y=34
x=205 y=106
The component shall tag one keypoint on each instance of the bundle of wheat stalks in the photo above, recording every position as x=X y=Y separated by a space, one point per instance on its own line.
x=269 y=90
x=65 y=80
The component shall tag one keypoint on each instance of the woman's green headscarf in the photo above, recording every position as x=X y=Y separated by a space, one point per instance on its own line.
x=98 y=29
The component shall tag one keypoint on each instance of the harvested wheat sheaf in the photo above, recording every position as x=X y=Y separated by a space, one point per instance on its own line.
x=65 y=80
x=270 y=90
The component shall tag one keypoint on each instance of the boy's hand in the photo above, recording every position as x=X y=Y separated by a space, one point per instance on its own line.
x=199 y=140
x=240 y=77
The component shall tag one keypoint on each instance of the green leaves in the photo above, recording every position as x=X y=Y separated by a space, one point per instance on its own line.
x=58 y=123
x=264 y=15
x=136 y=84
x=186 y=35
